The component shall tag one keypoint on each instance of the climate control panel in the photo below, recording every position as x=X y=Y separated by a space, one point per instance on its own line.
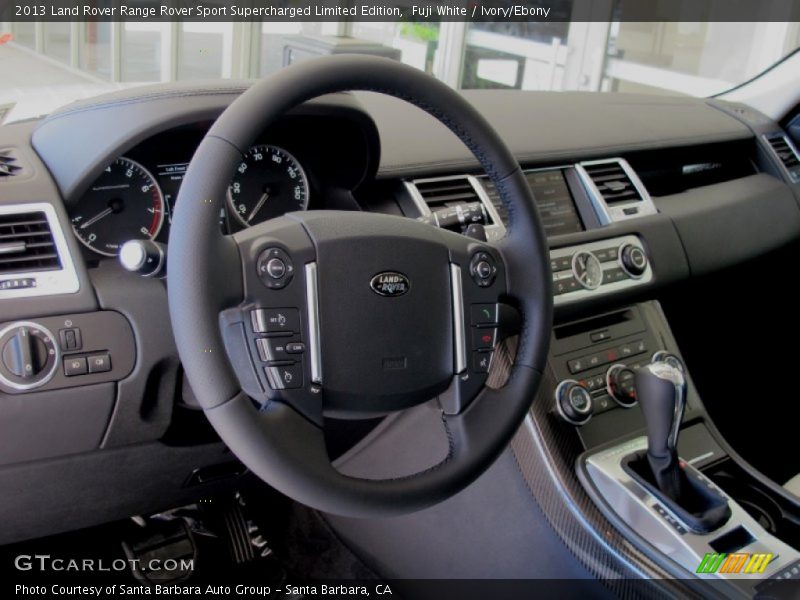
x=606 y=266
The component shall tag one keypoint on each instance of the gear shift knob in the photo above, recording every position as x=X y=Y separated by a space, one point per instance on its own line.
x=661 y=390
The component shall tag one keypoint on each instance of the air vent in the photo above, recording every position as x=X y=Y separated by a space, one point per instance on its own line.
x=786 y=153
x=9 y=164
x=27 y=244
x=450 y=191
x=454 y=203
x=613 y=183
x=615 y=190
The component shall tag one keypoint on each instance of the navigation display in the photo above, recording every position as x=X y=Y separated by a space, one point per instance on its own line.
x=553 y=198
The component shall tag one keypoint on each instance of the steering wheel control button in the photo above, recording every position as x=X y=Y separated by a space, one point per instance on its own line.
x=573 y=402
x=285 y=377
x=75 y=365
x=620 y=384
x=275 y=268
x=483 y=314
x=483 y=339
x=295 y=348
x=70 y=339
x=633 y=260
x=481 y=361
x=276 y=349
x=275 y=320
x=99 y=363
x=587 y=270
x=483 y=269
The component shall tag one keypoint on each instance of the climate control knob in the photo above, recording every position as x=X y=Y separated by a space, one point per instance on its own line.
x=573 y=402
x=621 y=385
x=633 y=260
x=28 y=355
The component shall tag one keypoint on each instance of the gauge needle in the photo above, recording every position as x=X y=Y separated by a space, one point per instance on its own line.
x=97 y=217
x=258 y=206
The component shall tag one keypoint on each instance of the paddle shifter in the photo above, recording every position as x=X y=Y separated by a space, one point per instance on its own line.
x=661 y=391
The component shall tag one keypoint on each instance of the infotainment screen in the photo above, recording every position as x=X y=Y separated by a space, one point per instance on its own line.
x=556 y=207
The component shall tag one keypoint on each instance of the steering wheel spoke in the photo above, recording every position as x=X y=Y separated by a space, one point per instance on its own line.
x=272 y=335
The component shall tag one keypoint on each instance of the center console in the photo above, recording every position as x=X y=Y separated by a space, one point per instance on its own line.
x=743 y=534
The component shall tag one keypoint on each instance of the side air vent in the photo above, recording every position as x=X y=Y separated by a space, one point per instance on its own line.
x=9 y=164
x=786 y=153
x=455 y=203
x=26 y=243
x=615 y=190
x=34 y=258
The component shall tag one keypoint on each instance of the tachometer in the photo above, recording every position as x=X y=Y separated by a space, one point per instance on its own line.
x=123 y=204
x=268 y=182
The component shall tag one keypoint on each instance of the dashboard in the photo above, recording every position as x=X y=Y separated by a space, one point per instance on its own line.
x=636 y=194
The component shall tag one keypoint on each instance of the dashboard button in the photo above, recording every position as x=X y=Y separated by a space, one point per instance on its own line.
x=99 y=363
x=70 y=339
x=285 y=377
x=75 y=366
x=295 y=347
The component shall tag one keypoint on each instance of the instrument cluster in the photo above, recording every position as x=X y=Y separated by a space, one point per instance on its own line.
x=290 y=168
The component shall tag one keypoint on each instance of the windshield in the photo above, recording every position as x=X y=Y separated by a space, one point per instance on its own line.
x=47 y=64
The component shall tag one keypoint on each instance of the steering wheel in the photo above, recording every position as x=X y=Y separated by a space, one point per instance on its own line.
x=353 y=314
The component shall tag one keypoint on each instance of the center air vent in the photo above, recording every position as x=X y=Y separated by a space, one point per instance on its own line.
x=615 y=190
x=786 y=153
x=454 y=203
x=9 y=164
x=27 y=244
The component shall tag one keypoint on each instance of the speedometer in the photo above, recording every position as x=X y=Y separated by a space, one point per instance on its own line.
x=269 y=182
x=123 y=204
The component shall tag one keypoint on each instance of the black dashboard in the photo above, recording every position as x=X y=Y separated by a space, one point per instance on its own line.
x=693 y=186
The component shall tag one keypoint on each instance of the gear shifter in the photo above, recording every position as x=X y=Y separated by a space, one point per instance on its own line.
x=661 y=391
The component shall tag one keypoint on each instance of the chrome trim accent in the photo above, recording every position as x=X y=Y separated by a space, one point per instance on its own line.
x=312 y=307
x=459 y=335
x=258 y=320
x=606 y=288
x=56 y=359
x=607 y=214
x=48 y=283
x=766 y=137
x=636 y=507
x=13 y=247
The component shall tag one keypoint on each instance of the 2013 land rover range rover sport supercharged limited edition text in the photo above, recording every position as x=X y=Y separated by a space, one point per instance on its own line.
x=478 y=307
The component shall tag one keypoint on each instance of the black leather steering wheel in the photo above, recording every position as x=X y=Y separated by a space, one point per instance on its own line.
x=385 y=308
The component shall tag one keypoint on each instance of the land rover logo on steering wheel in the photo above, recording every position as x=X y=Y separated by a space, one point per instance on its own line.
x=390 y=283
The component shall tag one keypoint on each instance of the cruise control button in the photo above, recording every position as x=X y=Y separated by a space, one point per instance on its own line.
x=99 y=363
x=481 y=361
x=295 y=347
x=273 y=349
x=275 y=320
x=285 y=377
x=75 y=366
x=483 y=338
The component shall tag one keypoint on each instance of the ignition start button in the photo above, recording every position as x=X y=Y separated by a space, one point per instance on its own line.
x=274 y=268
